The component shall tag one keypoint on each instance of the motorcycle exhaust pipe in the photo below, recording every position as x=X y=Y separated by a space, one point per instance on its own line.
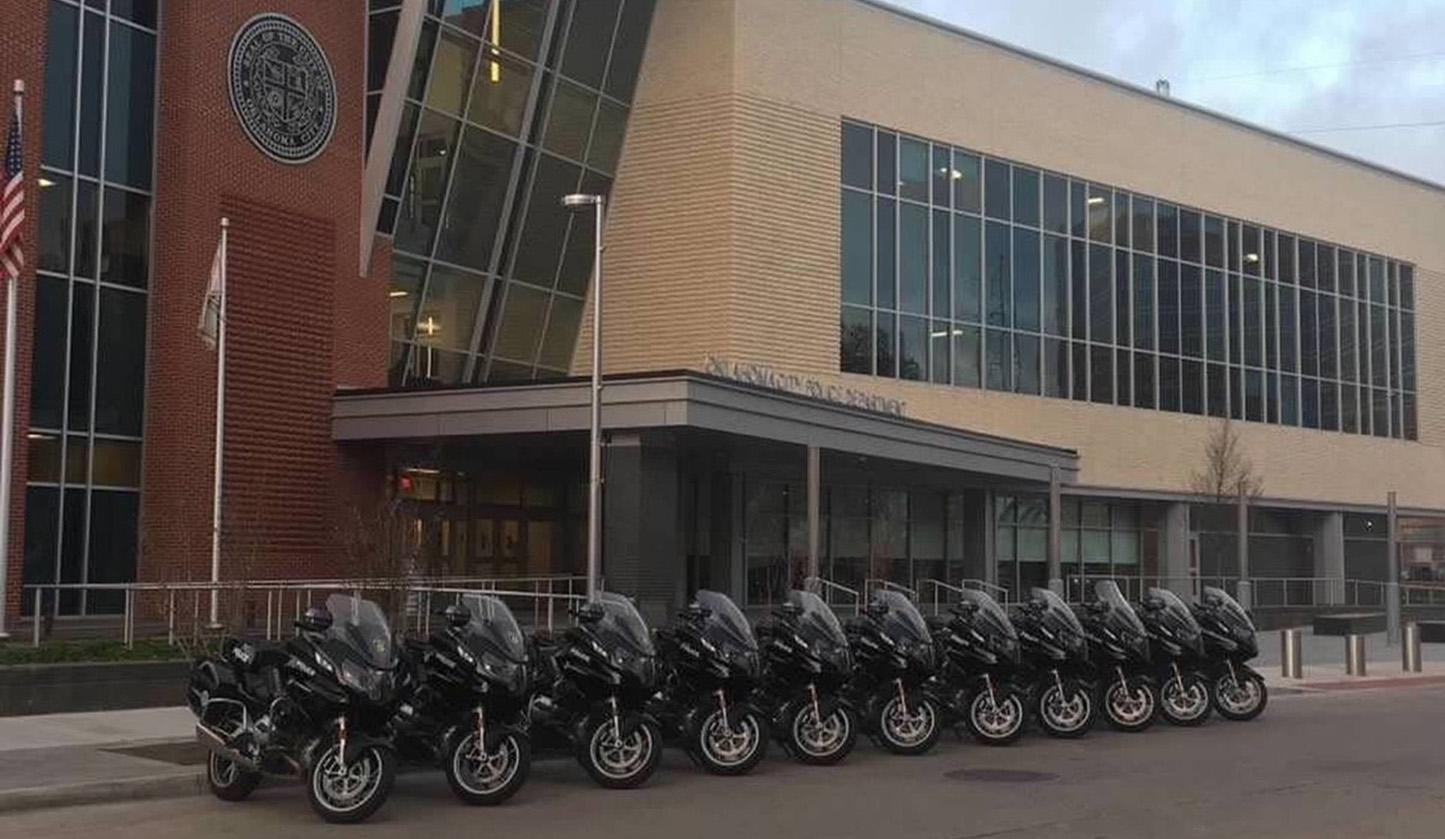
x=216 y=743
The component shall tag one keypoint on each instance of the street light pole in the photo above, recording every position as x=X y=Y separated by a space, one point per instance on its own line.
x=594 y=492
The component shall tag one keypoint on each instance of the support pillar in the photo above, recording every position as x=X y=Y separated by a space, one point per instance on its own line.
x=1392 y=573
x=1241 y=547
x=1056 y=515
x=1329 y=556
x=641 y=540
x=1174 y=552
x=815 y=503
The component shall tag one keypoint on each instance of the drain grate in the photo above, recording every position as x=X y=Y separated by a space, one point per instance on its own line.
x=1001 y=776
x=187 y=753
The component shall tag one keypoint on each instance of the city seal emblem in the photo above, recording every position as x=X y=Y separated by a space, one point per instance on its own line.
x=282 y=88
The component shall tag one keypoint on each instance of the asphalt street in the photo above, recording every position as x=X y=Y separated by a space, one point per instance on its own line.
x=1339 y=764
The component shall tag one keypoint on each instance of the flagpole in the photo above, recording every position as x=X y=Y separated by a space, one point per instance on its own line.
x=220 y=430
x=7 y=413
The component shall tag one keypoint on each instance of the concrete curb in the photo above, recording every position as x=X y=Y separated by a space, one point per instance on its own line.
x=173 y=785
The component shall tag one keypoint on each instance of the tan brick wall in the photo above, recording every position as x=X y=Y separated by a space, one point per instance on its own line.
x=724 y=233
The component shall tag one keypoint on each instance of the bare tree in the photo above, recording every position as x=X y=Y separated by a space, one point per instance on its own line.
x=1227 y=473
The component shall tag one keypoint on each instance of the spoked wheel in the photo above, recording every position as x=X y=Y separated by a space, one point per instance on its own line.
x=620 y=762
x=732 y=746
x=1184 y=699
x=821 y=742
x=1129 y=706
x=1066 y=712
x=996 y=718
x=1239 y=700
x=349 y=792
x=481 y=776
x=908 y=731
x=227 y=780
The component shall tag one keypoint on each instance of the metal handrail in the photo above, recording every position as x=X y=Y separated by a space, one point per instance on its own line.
x=998 y=593
x=888 y=585
x=821 y=587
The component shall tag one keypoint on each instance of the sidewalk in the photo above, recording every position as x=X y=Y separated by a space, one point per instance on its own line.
x=66 y=759
x=1323 y=660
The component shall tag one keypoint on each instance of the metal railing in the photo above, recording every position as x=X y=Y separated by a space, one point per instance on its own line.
x=1080 y=587
x=826 y=589
x=940 y=590
x=1422 y=594
x=875 y=583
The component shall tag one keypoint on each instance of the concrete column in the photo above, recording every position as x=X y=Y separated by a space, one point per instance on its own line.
x=641 y=540
x=1056 y=515
x=1329 y=555
x=1241 y=547
x=978 y=559
x=1174 y=549
x=721 y=534
x=1392 y=574
x=815 y=505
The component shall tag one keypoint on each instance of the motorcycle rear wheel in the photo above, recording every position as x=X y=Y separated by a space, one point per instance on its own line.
x=227 y=780
x=479 y=777
x=820 y=742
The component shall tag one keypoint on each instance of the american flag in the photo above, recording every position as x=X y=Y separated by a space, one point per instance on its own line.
x=12 y=204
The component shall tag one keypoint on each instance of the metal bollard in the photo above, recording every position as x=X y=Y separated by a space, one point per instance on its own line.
x=1355 y=655
x=1410 y=648
x=1291 y=654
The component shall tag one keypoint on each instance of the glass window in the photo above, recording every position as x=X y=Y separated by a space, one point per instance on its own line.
x=1144 y=379
x=855 y=346
x=1191 y=315
x=1079 y=363
x=1214 y=311
x=1101 y=295
x=913 y=257
x=1288 y=329
x=1143 y=302
x=967 y=183
x=130 y=104
x=1056 y=368
x=1347 y=341
x=967 y=269
x=499 y=94
x=420 y=210
x=1253 y=323
x=125 y=238
x=1192 y=377
x=996 y=189
x=1056 y=285
x=1168 y=306
x=1123 y=371
x=1379 y=367
x=1267 y=263
x=1407 y=287
x=966 y=356
x=1000 y=362
x=561 y=338
x=627 y=49
x=1101 y=374
x=941 y=269
x=54 y=224
x=1167 y=229
x=940 y=338
x=578 y=258
x=913 y=177
x=1411 y=419
x=589 y=37
x=1289 y=400
x=120 y=368
x=1253 y=395
x=1026 y=364
x=1078 y=209
x=47 y=377
x=449 y=311
x=996 y=274
x=887 y=171
x=82 y=326
x=1189 y=238
x=1407 y=350
x=1101 y=213
x=57 y=130
x=1377 y=280
x=1143 y=213
x=1056 y=204
x=1026 y=196
x=520 y=324
x=474 y=212
x=1309 y=335
x=114 y=537
x=142 y=12
x=547 y=221
x=886 y=358
x=912 y=348
x=92 y=89
x=1026 y=280
x=570 y=121
x=857 y=248
x=1079 y=288
x=1122 y=217
x=1252 y=248
x=1217 y=390
x=857 y=155
x=1214 y=241
x=115 y=463
x=380 y=33
x=1309 y=403
x=1328 y=338
x=1169 y=383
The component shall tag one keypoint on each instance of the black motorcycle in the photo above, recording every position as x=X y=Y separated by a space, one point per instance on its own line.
x=465 y=709
x=317 y=705
x=894 y=651
x=1235 y=689
x=710 y=665
x=1177 y=650
x=1119 y=649
x=977 y=681
x=806 y=667
x=593 y=697
x=1055 y=657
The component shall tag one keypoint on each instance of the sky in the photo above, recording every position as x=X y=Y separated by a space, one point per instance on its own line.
x=1296 y=66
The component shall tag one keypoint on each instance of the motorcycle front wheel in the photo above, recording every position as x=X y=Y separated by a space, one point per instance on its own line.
x=621 y=762
x=996 y=718
x=1066 y=712
x=1129 y=706
x=820 y=742
x=1184 y=700
x=228 y=781
x=481 y=777
x=732 y=746
x=909 y=729
x=1240 y=700
x=347 y=793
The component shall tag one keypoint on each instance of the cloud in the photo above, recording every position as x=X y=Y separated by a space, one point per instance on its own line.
x=1241 y=58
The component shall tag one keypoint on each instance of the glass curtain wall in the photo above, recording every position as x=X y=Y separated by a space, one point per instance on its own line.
x=511 y=105
x=1097 y=540
x=92 y=263
x=958 y=268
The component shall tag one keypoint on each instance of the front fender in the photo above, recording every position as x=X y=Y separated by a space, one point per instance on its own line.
x=357 y=744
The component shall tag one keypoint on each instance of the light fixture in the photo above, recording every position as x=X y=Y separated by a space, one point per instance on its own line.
x=953 y=174
x=396 y=292
x=945 y=333
x=577 y=201
x=36 y=435
x=420 y=470
x=1096 y=200
x=1251 y=257
x=45 y=182
x=430 y=326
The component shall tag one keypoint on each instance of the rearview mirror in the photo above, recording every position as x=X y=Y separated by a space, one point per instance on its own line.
x=589 y=613
x=456 y=616
x=875 y=610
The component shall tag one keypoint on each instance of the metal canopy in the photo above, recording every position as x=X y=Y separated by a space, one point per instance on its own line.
x=688 y=400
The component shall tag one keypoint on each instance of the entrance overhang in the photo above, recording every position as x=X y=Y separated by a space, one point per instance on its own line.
x=689 y=400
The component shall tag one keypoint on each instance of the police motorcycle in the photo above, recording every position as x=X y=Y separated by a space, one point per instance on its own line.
x=894 y=653
x=1119 y=650
x=1177 y=651
x=979 y=669
x=594 y=685
x=318 y=705
x=710 y=668
x=469 y=683
x=1054 y=653
x=806 y=668
x=1236 y=690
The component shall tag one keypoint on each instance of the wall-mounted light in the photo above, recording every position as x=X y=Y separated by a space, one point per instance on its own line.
x=45 y=182
x=945 y=333
x=1251 y=257
x=396 y=292
x=1096 y=200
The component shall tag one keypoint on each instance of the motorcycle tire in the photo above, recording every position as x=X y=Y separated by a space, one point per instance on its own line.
x=1067 y=718
x=913 y=735
x=486 y=779
x=1231 y=708
x=619 y=765
x=819 y=743
x=228 y=781
x=996 y=720
x=328 y=781
x=734 y=752
x=1142 y=705
x=1174 y=710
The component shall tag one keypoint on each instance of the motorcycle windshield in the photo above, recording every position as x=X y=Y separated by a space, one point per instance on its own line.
x=1228 y=606
x=816 y=622
x=1176 y=615
x=622 y=624
x=989 y=614
x=1057 y=614
x=903 y=621
x=725 y=626
x=360 y=627
x=493 y=630
x=1120 y=613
